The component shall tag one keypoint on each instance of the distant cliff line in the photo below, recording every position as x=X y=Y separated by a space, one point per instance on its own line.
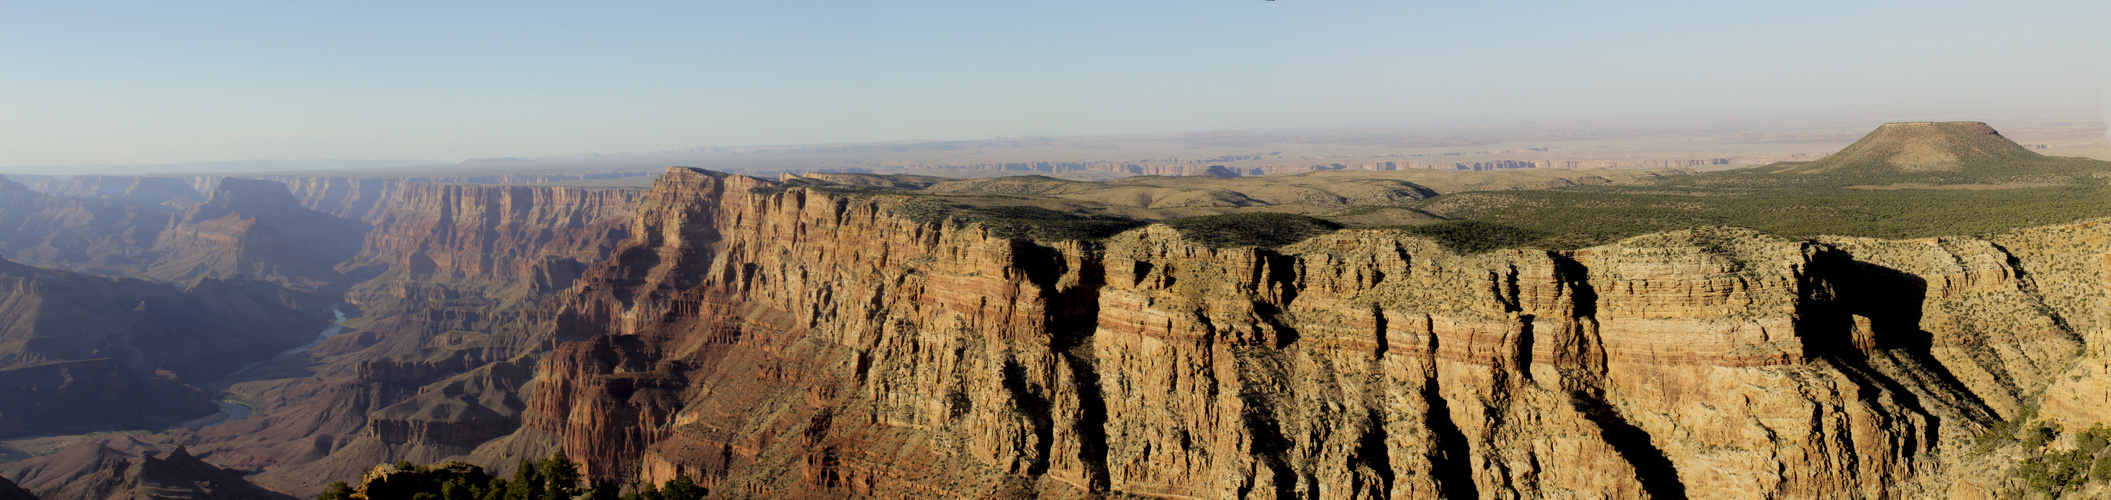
x=1243 y=165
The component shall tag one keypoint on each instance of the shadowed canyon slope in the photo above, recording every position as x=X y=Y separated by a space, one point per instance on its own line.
x=97 y=472
x=836 y=335
x=82 y=352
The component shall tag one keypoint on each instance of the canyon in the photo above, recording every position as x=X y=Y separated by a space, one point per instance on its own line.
x=826 y=336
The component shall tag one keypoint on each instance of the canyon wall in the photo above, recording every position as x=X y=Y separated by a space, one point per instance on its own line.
x=792 y=342
x=478 y=233
x=437 y=365
x=371 y=198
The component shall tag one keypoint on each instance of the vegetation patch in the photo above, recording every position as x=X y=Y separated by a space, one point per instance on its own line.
x=1041 y=224
x=1260 y=229
x=1018 y=221
x=556 y=477
x=1472 y=236
x=1585 y=216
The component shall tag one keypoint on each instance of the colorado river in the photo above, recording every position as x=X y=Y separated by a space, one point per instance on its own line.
x=336 y=326
x=235 y=411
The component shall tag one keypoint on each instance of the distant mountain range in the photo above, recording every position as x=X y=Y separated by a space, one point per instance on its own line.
x=213 y=167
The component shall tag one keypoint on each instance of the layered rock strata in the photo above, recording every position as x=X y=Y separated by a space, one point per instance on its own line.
x=791 y=342
x=461 y=233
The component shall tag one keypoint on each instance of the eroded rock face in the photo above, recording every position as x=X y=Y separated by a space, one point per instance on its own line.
x=787 y=342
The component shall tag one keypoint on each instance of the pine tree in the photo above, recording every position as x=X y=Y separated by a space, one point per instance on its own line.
x=336 y=491
x=494 y=490
x=645 y=491
x=562 y=476
x=527 y=482
x=682 y=488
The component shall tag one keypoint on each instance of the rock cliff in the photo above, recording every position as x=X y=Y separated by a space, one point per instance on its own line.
x=789 y=342
x=778 y=340
x=460 y=233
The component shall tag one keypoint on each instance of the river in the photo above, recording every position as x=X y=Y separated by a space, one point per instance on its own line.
x=236 y=411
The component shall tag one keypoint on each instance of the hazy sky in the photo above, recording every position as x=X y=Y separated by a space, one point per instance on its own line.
x=162 y=81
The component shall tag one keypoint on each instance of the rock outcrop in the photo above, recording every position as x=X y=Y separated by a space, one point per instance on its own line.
x=797 y=342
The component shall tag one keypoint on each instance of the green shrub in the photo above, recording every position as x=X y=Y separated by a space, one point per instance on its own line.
x=554 y=478
x=2037 y=437
x=2057 y=471
x=1591 y=215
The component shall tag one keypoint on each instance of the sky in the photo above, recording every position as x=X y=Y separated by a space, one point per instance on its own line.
x=95 y=82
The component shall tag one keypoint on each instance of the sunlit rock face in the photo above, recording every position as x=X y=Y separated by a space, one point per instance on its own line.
x=792 y=342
